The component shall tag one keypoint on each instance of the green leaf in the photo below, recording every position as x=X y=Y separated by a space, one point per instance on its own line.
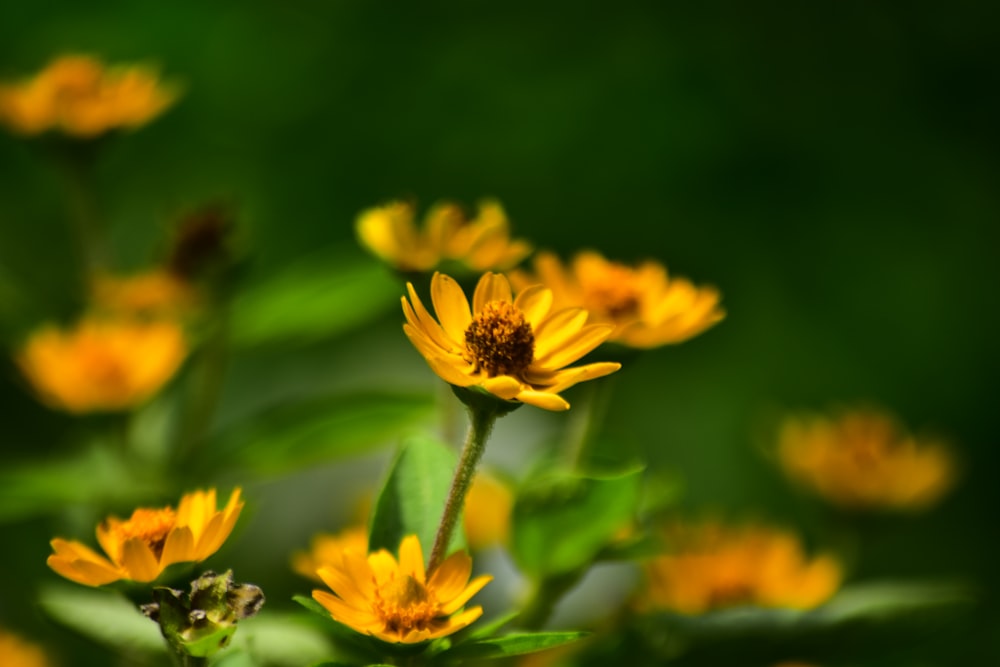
x=283 y=639
x=509 y=645
x=490 y=628
x=562 y=522
x=293 y=437
x=413 y=497
x=103 y=616
x=318 y=297
x=312 y=605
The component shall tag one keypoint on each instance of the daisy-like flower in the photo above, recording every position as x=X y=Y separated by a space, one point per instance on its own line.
x=78 y=95
x=481 y=244
x=395 y=601
x=864 y=459
x=149 y=294
x=712 y=566
x=515 y=349
x=328 y=550
x=647 y=308
x=102 y=364
x=18 y=652
x=141 y=547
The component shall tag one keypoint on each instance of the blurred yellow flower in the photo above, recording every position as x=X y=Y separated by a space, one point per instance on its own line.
x=711 y=566
x=80 y=96
x=150 y=294
x=481 y=244
x=512 y=348
x=394 y=600
x=18 y=652
x=142 y=546
x=864 y=459
x=486 y=516
x=647 y=308
x=102 y=364
x=328 y=550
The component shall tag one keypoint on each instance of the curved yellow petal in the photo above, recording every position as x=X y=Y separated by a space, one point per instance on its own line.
x=344 y=586
x=491 y=287
x=451 y=576
x=556 y=329
x=535 y=302
x=585 y=341
x=178 y=548
x=451 y=306
x=411 y=558
x=138 y=560
x=544 y=400
x=502 y=386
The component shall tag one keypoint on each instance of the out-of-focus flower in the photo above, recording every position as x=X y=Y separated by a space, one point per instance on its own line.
x=328 y=550
x=481 y=244
x=141 y=547
x=394 y=600
x=864 y=459
x=515 y=349
x=102 y=364
x=647 y=308
x=712 y=566
x=18 y=652
x=80 y=96
x=151 y=294
x=486 y=517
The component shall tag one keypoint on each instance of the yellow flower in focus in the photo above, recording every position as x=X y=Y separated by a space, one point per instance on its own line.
x=865 y=460
x=141 y=547
x=394 y=600
x=80 y=96
x=647 y=308
x=486 y=515
x=328 y=550
x=17 y=652
x=711 y=566
x=481 y=244
x=151 y=294
x=102 y=364
x=515 y=349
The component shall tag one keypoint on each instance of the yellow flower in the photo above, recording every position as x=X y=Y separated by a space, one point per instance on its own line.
x=864 y=459
x=486 y=516
x=17 y=652
x=78 y=95
x=153 y=293
x=481 y=244
x=394 y=600
x=711 y=566
x=142 y=546
x=102 y=364
x=647 y=308
x=328 y=550
x=512 y=348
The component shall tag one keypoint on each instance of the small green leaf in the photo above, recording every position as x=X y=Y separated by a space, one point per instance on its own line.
x=319 y=297
x=413 y=497
x=512 y=644
x=103 y=616
x=563 y=522
x=490 y=628
x=312 y=605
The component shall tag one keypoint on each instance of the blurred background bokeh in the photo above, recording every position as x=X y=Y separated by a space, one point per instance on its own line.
x=831 y=168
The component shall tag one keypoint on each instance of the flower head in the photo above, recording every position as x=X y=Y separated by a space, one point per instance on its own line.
x=647 y=308
x=864 y=459
x=80 y=96
x=326 y=549
x=18 y=652
x=512 y=348
x=395 y=600
x=141 y=547
x=712 y=566
x=102 y=364
x=481 y=244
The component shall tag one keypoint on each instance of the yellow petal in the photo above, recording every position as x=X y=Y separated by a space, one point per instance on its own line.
x=544 y=400
x=451 y=306
x=411 y=558
x=584 y=342
x=556 y=329
x=535 y=302
x=428 y=324
x=341 y=584
x=451 y=576
x=138 y=560
x=358 y=619
x=503 y=386
x=83 y=572
x=178 y=548
x=491 y=287
x=571 y=376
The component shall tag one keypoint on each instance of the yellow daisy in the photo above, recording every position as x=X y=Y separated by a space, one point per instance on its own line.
x=80 y=96
x=515 y=349
x=326 y=549
x=481 y=244
x=102 y=364
x=864 y=459
x=18 y=652
x=141 y=547
x=395 y=601
x=711 y=566
x=647 y=308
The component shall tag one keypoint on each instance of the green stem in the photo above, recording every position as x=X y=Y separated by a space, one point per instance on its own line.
x=481 y=421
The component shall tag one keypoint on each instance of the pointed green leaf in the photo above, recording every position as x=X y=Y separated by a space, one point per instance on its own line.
x=563 y=522
x=413 y=497
x=103 y=616
x=512 y=644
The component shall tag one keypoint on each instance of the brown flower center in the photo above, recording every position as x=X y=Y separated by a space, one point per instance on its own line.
x=612 y=292
x=500 y=341
x=404 y=604
x=150 y=525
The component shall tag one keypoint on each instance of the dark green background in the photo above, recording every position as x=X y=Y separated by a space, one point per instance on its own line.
x=831 y=167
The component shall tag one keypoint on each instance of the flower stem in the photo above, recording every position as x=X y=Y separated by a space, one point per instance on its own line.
x=481 y=420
